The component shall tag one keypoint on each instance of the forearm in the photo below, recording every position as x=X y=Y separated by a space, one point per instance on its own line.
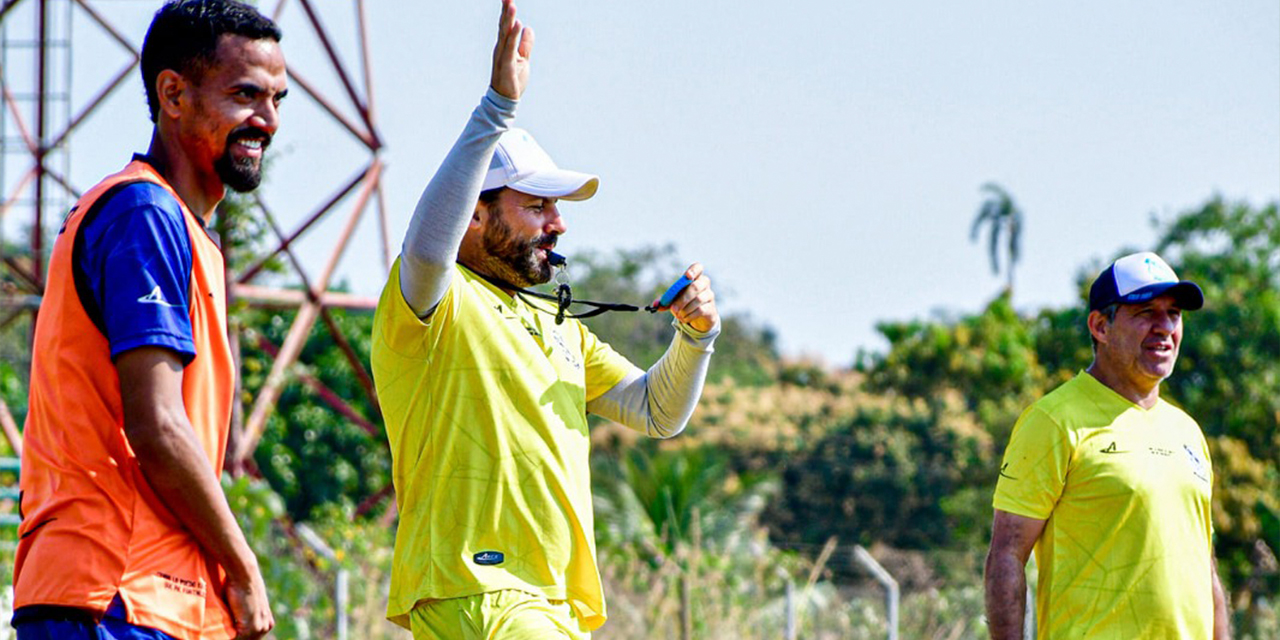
x=175 y=467
x=447 y=204
x=1221 y=615
x=660 y=401
x=1006 y=588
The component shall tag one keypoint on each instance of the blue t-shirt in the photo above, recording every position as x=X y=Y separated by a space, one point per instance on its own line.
x=135 y=257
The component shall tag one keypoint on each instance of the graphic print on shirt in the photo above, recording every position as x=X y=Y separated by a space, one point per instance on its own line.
x=1198 y=466
x=156 y=297
x=559 y=345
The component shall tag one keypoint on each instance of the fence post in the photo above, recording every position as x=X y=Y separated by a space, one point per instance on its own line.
x=1029 y=618
x=341 y=584
x=11 y=492
x=890 y=586
x=790 y=632
x=686 y=605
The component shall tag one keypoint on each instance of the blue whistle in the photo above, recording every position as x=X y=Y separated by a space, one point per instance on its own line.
x=671 y=293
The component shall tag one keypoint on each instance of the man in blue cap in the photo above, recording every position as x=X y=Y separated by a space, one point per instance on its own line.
x=1110 y=484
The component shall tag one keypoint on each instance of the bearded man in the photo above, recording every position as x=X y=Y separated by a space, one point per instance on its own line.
x=126 y=533
x=486 y=395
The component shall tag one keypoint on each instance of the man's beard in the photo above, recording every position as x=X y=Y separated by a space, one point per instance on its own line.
x=241 y=174
x=512 y=260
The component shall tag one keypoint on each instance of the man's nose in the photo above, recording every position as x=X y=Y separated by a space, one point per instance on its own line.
x=555 y=223
x=267 y=116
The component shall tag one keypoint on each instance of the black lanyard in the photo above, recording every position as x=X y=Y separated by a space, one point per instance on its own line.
x=563 y=296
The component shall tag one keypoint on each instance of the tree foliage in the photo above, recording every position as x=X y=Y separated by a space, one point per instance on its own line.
x=312 y=454
x=1228 y=374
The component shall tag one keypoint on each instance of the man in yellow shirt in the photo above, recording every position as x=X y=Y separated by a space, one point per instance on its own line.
x=485 y=391
x=1111 y=485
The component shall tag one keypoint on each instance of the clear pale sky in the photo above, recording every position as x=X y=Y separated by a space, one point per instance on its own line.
x=822 y=158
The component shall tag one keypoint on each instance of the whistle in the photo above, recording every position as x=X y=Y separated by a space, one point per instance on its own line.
x=670 y=295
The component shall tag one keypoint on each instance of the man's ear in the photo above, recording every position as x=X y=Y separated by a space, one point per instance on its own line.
x=1098 y=326
x=478 y=216
x=171 y=89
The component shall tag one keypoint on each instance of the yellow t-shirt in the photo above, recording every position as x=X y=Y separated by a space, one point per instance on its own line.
x=485 y=408
x=1126 y=550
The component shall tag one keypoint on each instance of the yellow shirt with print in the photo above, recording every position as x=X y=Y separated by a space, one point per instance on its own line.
x=485 y=408
x=1126 y=550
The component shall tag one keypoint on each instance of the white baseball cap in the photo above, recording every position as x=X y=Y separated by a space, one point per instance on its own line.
x=519 y=163
x=1138 y=277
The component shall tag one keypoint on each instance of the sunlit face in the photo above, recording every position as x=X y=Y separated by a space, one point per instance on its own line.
x=235 y=105
x=1142 y=343
x=517 y=236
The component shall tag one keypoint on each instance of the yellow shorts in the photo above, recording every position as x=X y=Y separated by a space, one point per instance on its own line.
x=499 y=615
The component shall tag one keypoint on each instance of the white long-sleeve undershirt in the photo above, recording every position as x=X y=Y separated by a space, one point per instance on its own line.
x=440 y=220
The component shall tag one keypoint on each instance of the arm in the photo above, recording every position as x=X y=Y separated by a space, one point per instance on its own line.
x=1012 y=538
x=448 y=203
x=661 y=400
x=177 y=469
x=1221 y=617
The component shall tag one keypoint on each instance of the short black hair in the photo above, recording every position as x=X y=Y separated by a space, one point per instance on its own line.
x=184 y=37
x=490 y=196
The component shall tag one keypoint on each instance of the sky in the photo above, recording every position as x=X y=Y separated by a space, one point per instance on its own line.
x=823 y=159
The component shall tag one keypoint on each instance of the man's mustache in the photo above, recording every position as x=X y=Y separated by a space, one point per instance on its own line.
x=250 y=133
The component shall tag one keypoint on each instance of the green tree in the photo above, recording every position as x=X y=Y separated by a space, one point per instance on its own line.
x=1228 y=374
x=311 y=453
x=885 y=475
x=989 y=359
x=1002 y=217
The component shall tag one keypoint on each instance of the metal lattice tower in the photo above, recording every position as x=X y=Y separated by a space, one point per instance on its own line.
x=35 y=133
x=35 y=107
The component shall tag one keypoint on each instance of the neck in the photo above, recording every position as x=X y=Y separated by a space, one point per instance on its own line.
x=200 y=190
x=497 y=281
x=1141 y=394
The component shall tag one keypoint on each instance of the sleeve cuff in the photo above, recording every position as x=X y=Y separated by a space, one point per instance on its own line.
x=702 y=339
x=185 y=349
x=504 y=105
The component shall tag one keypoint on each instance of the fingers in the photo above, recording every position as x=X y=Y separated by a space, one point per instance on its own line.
x=508 y=34
x=511 y=42
x=256 y=628
x=511 y=53
x=506 y=19
x=526 y=43
x=696 y=305
x=250 y=609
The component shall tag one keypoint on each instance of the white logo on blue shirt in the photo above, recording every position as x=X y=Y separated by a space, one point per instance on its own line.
x=156 y=297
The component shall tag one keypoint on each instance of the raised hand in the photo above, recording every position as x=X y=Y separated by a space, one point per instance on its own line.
x=511 y=54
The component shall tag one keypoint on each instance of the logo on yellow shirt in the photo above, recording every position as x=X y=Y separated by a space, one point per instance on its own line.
x=1198 y=466
x=488 y=558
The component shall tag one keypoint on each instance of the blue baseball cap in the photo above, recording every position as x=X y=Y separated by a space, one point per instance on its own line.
x=1139 y=277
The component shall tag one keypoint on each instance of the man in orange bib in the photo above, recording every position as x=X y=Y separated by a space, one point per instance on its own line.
x=126 y=533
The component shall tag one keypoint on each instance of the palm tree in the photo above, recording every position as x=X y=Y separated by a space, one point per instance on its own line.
x=1003 y=216
x=656 y=501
